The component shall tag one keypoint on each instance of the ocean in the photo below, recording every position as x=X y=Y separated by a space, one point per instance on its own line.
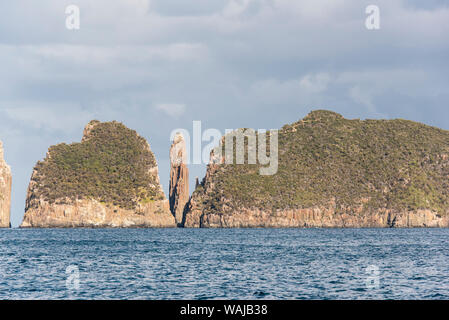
x=224 y=264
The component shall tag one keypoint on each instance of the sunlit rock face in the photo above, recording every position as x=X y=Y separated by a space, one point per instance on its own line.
x=5 y=191
x=179 y=178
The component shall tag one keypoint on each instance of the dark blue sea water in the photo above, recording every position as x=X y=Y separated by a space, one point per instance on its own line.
x=224 y=264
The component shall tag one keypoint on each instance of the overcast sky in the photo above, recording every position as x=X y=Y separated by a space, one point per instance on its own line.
x=157 y=65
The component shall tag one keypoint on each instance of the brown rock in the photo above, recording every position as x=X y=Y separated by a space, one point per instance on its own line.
x=93 y=214
x=179 y=178
x=5 y=191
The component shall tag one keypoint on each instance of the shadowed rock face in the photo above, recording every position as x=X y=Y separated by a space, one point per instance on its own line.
x=334 y=172
x=179 y=178
x=110 y=179
x=5 y=191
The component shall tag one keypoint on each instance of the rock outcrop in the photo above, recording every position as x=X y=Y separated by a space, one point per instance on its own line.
x=179 y=178
x=333 y=172
x=5 y=191
x=316 y=217
x=110 y=179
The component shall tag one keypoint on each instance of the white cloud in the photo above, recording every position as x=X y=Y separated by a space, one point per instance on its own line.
x=315 y=83
x=172 y=109
x=48 y=117
x=361 y=96
x=235 y=8
x=107 y=55
x=304 y=89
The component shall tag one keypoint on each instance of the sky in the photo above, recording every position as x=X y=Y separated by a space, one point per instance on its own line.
x=158 y=65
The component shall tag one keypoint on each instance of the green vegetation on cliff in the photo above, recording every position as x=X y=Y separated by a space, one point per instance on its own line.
x=324 y=158
x=112 y=164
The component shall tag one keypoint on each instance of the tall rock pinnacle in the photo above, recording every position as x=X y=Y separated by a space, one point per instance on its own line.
x=179 y=178
x=5 y=191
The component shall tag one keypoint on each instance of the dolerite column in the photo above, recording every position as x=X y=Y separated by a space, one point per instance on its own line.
x=179 y=178
x=5 y=191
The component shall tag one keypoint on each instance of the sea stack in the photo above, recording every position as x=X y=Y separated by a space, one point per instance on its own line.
x=333 y=172
x=5 y=191
x=109 y=179
x=179 y=178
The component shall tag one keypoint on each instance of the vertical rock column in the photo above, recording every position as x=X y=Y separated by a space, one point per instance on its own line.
x=179 y=178
x=5 y=191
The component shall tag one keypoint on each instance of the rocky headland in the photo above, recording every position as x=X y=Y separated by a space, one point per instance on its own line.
x=333 y=172
x=109 y=179
x=5 y=191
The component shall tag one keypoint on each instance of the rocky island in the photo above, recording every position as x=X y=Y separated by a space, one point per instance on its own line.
x=109 y=179
x=5 y=191
x=334 y=172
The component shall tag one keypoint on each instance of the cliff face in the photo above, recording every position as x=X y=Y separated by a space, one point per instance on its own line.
x=316 y=217
x=334 y=172
x=110 y=179
x=179 y=178
x=5 y=191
